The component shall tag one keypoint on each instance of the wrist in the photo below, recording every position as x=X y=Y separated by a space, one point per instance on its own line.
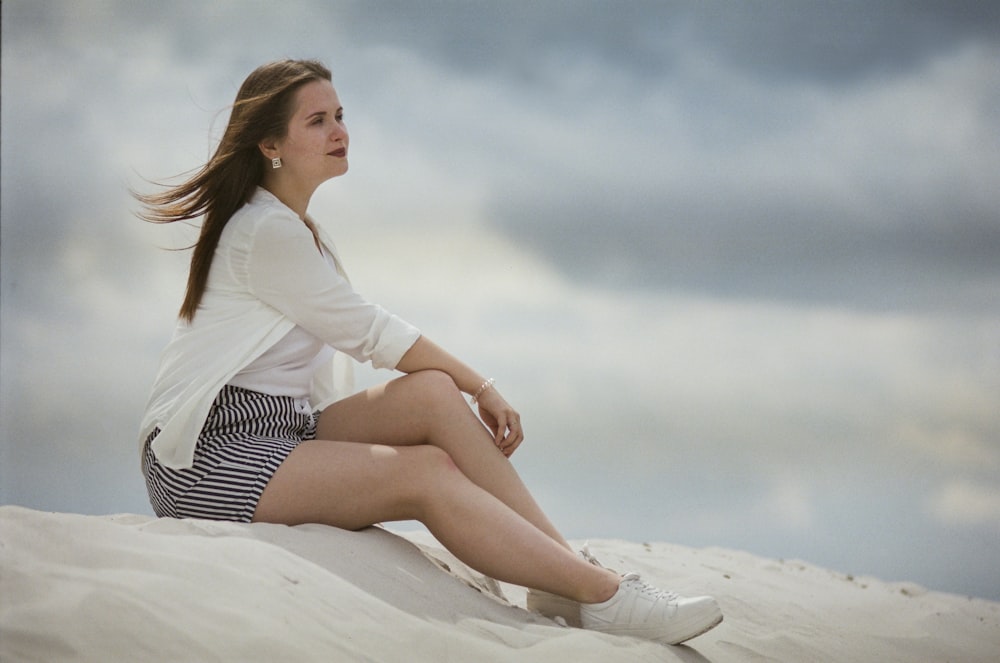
x=483 y=388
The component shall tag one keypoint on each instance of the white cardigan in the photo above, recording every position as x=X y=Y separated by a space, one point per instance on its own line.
x=267 y=276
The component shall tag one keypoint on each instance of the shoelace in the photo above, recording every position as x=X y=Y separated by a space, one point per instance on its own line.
x=634 y=578
x=588 y=557
x=649 y=590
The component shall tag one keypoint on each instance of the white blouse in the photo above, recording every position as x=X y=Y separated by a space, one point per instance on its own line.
x=287 y=367
x=267 y=277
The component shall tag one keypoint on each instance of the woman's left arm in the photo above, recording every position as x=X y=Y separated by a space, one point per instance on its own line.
x=496 y=413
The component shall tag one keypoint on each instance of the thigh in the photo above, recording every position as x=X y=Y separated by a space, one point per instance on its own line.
x=348 y=484
x=406 y=411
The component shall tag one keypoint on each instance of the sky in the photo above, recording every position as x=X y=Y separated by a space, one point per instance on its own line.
x=736 y=264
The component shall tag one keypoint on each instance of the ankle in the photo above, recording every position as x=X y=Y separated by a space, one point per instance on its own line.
x=604 y=589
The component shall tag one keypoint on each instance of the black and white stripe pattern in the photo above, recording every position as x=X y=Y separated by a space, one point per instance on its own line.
x=245 y=438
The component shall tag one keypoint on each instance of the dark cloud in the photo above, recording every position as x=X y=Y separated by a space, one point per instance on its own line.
x=833 y=41
x=943 y=256
x=838 y=41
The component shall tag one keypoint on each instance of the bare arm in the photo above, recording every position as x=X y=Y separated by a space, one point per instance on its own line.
x=425 y=355
x=495 y=412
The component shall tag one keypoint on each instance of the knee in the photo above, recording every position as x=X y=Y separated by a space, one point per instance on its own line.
x=435 y=383
x=436 y=392
x=434 y=462
x=434 y=471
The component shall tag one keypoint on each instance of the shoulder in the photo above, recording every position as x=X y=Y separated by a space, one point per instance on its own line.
x=264 y=208
x=265 y=217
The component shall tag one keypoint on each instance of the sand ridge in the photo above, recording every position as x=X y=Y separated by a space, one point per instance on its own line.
x=129 y=587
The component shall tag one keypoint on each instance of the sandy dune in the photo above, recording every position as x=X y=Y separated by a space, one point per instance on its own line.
x=134 y=588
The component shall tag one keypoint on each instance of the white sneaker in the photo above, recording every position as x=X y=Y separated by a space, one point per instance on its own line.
x=643 y=611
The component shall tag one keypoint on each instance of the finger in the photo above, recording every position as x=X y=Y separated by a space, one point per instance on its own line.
x=513 y=439
x=512 y=446
x=512 y=428
x=498 y=434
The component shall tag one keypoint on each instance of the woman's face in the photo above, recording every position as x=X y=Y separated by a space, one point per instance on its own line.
x=315 y=147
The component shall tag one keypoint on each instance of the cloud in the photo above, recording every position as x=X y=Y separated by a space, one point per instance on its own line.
x=966 y=503
x=833 y=43
x=728 y=153
x=790 y=504
x=966 y=442
x=877 y=197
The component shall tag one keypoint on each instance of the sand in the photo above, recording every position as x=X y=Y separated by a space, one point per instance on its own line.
x=136 y=588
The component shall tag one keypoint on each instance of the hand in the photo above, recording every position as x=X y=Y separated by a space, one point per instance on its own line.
x=502 y=420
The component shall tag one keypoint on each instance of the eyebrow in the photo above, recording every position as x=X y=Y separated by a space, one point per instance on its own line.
x=312 y=115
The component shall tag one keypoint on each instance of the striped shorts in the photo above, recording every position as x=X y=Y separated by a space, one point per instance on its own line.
x=245 y=438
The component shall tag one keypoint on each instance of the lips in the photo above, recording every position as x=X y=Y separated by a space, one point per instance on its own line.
x=341 y=152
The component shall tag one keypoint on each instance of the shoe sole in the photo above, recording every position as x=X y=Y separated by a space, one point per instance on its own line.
x=651 y=634
x=701 y=632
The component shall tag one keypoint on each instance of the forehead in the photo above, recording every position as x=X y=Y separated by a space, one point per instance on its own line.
x=316 y=96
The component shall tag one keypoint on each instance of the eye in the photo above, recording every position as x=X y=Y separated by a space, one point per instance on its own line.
x=318 y=120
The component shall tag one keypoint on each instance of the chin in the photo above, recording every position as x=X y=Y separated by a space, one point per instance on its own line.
x=335 y=174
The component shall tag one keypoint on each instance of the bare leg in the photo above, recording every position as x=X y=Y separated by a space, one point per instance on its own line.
x=427 y=408
x=353 y=485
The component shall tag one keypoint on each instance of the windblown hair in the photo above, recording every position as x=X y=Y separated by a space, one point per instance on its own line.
x=262 y=110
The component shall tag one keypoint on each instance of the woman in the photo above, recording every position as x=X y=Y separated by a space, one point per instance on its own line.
x=241 y=424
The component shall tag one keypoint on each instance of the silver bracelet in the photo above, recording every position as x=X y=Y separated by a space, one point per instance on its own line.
x=486 y=385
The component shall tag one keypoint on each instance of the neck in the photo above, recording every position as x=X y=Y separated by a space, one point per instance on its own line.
x=295 y=197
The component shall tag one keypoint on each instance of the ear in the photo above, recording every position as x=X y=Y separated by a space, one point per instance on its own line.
x=269 y=148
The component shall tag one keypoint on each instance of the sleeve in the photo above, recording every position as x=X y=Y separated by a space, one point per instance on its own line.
x=286 y=270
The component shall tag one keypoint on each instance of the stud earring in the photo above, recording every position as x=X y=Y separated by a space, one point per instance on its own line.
x=276 y=163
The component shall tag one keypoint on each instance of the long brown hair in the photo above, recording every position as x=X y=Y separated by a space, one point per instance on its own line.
x=262 y=110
